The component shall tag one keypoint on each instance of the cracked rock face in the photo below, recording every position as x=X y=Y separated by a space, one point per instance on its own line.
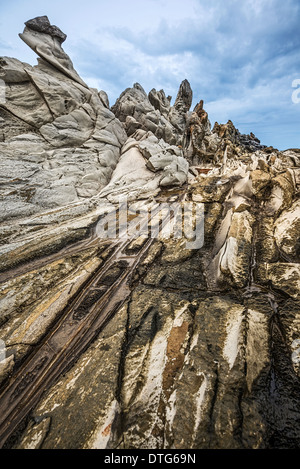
x=199 y=347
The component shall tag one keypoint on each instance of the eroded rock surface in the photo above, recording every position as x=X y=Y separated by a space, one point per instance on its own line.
x=201 y=348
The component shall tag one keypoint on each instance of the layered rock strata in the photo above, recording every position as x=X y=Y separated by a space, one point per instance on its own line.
x=201 y=348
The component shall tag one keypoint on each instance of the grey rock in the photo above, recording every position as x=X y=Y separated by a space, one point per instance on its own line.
x=55 y=131
x=175 y=173
x=104 y=98
x=204 y=353
x=287 y=228
x=160 y=102
x=166 y=158
x=183 y=102
x=13 y=71
x=248 y=142
x=48 y=46
x=154 y=112
x=184 y=97
x=198 y=141
x=42 y=24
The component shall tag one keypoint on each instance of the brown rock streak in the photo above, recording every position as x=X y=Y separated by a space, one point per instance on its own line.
x=175 y=357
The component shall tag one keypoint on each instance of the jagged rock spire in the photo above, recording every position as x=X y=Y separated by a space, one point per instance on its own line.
x=184 y=97
x=160 y=101
x=183 y=102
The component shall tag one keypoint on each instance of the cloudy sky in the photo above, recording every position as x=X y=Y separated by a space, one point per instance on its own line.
x=240 y=56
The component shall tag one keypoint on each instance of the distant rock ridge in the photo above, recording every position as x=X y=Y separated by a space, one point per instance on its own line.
x=249 y=142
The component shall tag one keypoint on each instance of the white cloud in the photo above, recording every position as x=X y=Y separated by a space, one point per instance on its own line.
x=240 y=57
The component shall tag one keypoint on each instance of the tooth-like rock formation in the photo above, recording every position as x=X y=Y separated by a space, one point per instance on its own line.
x=121 y=338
